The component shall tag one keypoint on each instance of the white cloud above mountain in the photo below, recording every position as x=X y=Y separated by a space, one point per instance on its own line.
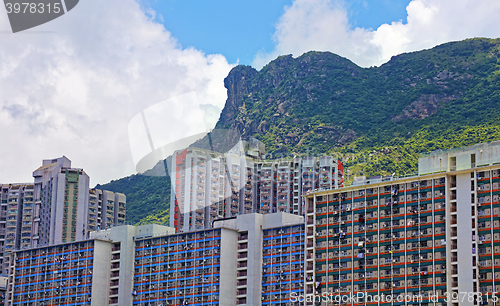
x=323 y=25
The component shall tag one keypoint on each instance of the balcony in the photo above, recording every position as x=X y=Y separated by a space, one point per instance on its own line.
x=242 y=264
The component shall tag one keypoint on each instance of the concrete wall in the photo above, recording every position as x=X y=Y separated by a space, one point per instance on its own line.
x=440 y=161
x=124 y=235
x=100 y=275
x=464 y=228
x=433 y=164
x=228 y=260
x=83 y=206
x=253 y=224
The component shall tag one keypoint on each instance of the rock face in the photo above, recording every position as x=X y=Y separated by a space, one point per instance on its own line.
x=321 y=100
x=423 y=107
x=238 y=85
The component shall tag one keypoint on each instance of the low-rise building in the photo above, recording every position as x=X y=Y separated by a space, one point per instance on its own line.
x=247 y=260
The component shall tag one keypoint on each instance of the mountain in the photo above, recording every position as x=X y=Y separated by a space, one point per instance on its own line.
x=321 y=103
x=377 y=119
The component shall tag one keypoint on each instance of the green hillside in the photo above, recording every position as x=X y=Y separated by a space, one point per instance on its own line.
x=377 y=120
x=148 y=197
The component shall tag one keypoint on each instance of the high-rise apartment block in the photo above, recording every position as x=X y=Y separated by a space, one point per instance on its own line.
x=68 y=209
x=207 y=185
x=61 y=202
x=58 y=207
x=106 y=209
x=431 y=239
x=426 y=240
x=17 y=216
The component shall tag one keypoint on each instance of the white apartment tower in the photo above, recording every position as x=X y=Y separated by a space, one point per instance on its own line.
x=61 y=201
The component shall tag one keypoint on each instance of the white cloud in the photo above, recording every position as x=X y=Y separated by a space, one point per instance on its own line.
x=71 y=86
x=319 y=25
x=323 y=25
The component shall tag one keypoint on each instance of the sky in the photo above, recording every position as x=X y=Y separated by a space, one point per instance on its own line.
x=245 y=27
x=84 y=84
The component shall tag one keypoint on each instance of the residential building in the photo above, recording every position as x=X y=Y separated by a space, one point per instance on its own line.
x=232 y=264
x=97 y=271
x=16 y=218
x=431 y=236
x=58 y=207
x=68 y=209
x=207 y=185
x=419 y=240
x=61 y=200
x=106 y=209
x=3 y=289
x=250 y=259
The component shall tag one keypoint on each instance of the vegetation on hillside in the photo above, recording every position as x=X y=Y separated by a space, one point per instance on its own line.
x=146 y=196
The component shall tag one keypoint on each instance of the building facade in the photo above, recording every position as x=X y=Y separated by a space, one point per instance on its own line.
x=231 y=264
x=97 y=271
x=106 y=209
x=430 y=238
x=16 y=219
x=58 y=207
x=235 y=263
x=207 y=185
x=61 y=202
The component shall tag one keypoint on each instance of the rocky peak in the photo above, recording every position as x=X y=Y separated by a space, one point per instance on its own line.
x=237 y=83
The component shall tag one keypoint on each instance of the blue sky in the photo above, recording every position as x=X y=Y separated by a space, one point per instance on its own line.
x=238 y=29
